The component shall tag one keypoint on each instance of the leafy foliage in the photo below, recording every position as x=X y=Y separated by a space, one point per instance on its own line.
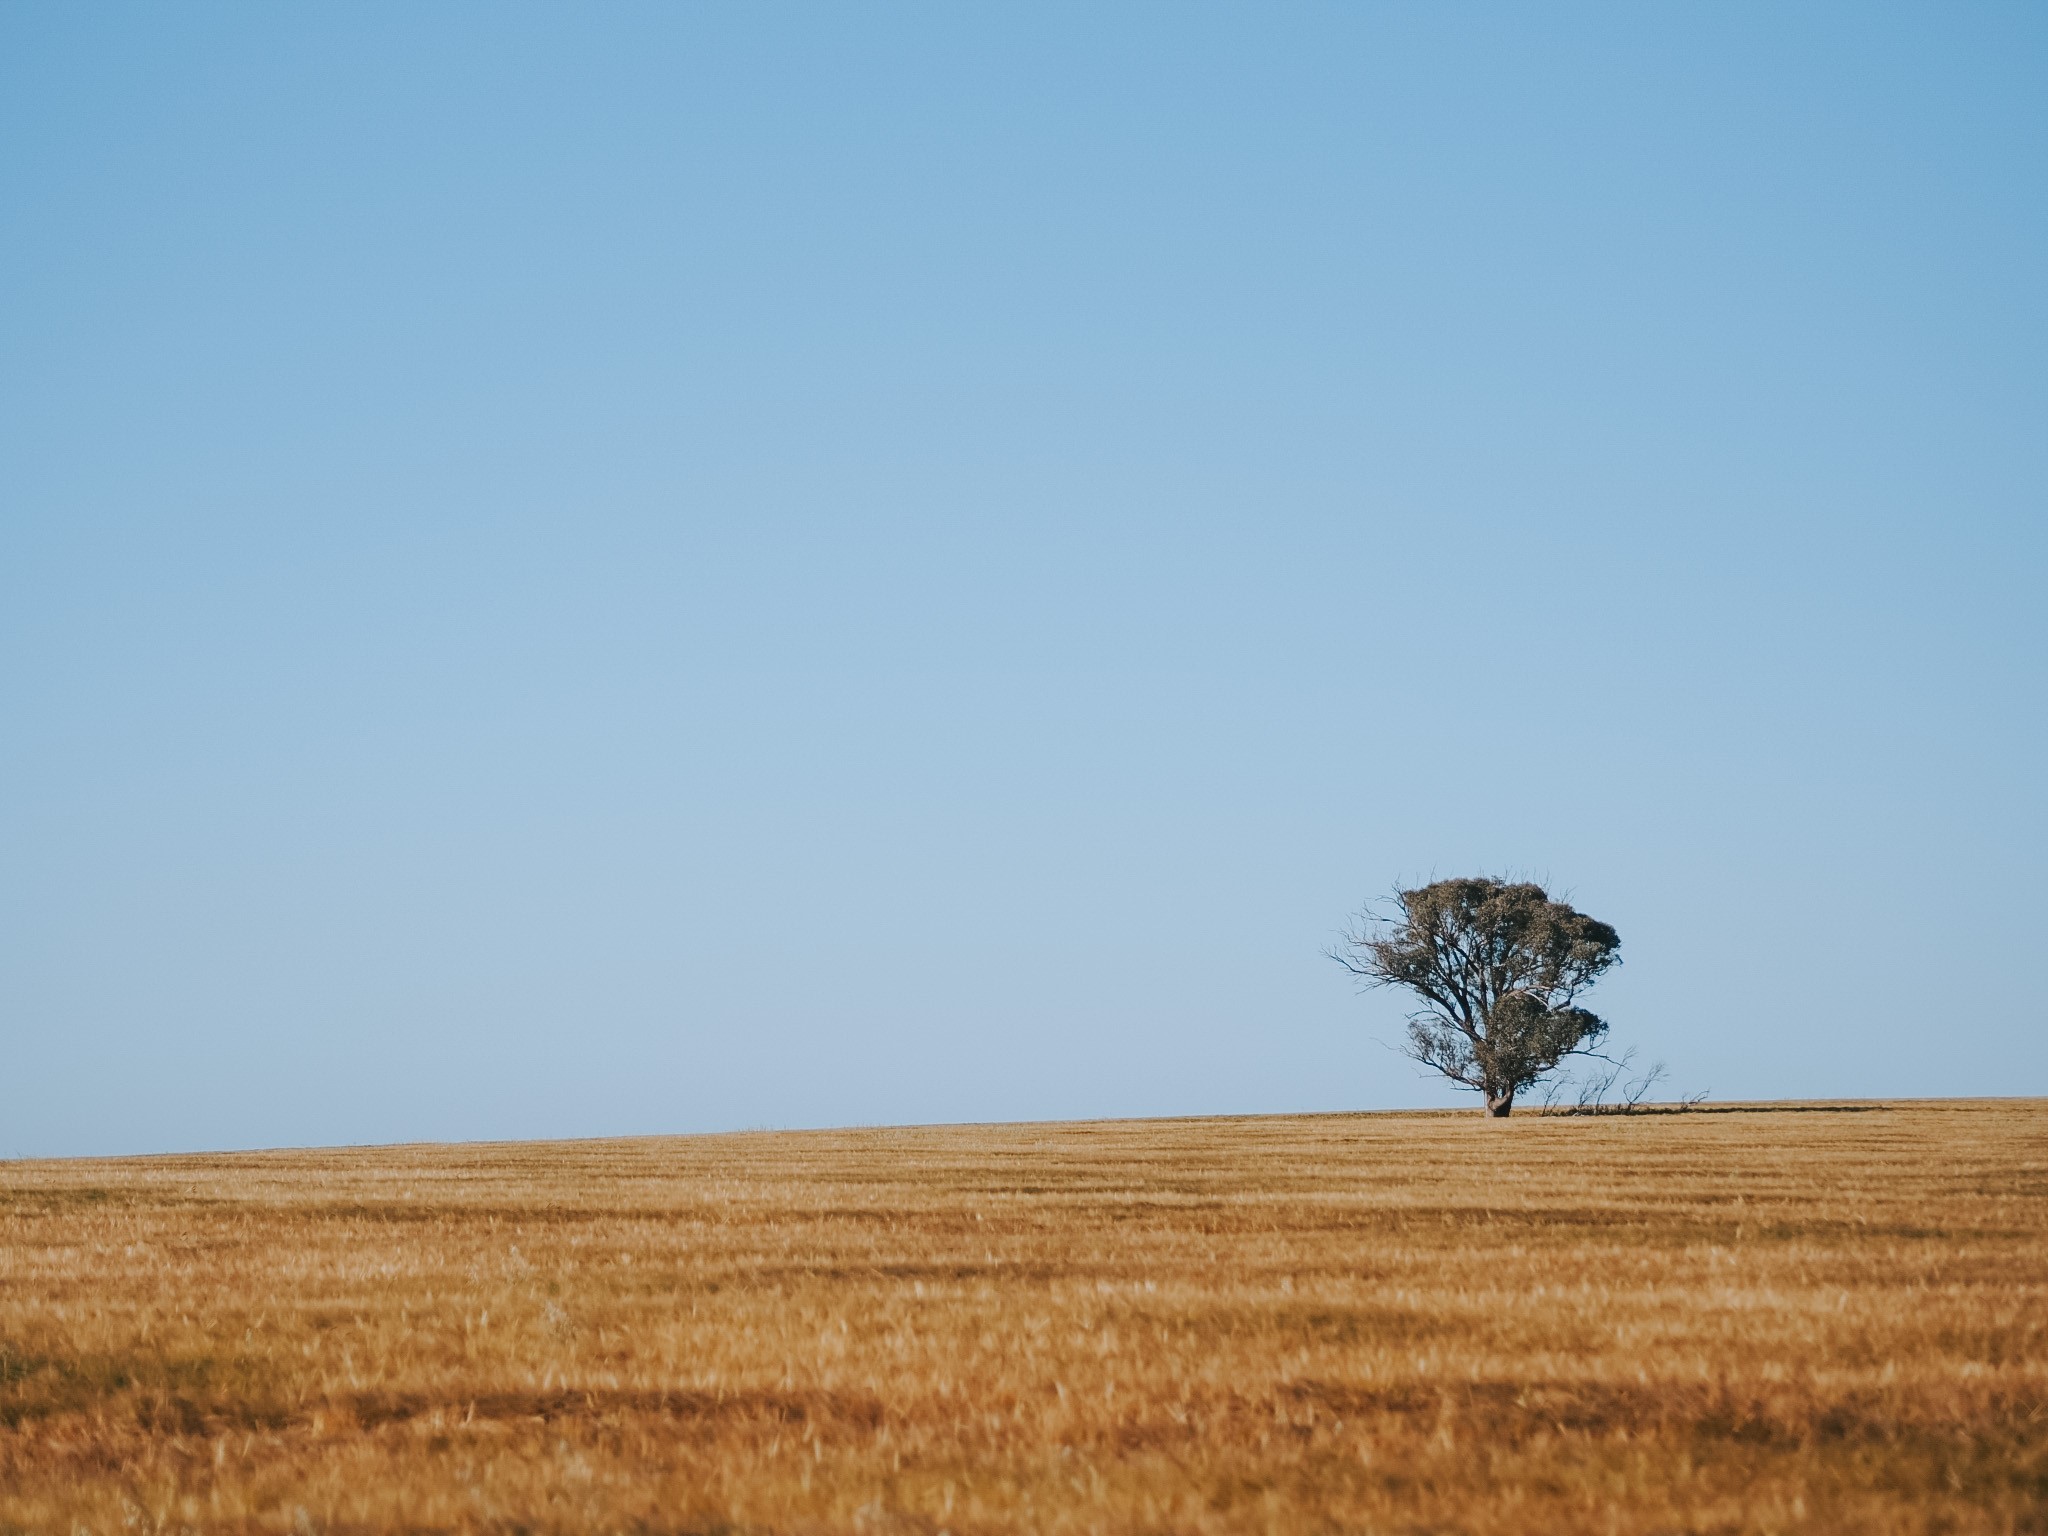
x=1499 y=966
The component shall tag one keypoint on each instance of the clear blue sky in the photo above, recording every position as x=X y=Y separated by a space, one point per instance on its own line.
x=609 y=569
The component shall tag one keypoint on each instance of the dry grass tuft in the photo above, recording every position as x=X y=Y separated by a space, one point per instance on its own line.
x=1767 y=1321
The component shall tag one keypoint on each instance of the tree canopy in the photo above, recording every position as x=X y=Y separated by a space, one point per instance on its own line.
x=1499 y=966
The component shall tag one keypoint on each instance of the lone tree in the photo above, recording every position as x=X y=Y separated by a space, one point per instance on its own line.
x=1500 y=967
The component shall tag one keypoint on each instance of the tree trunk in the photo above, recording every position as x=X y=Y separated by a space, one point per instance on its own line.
x=1500 y=1105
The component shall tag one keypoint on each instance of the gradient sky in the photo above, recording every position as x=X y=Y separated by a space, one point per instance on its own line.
x=609 y=569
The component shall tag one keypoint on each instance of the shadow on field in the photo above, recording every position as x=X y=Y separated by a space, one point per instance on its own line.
x=1641 y=1110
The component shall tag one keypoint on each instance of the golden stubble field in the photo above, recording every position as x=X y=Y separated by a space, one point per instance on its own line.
x=1792 y=1319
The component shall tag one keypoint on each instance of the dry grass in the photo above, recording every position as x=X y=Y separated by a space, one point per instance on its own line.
x=1766 y=1321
